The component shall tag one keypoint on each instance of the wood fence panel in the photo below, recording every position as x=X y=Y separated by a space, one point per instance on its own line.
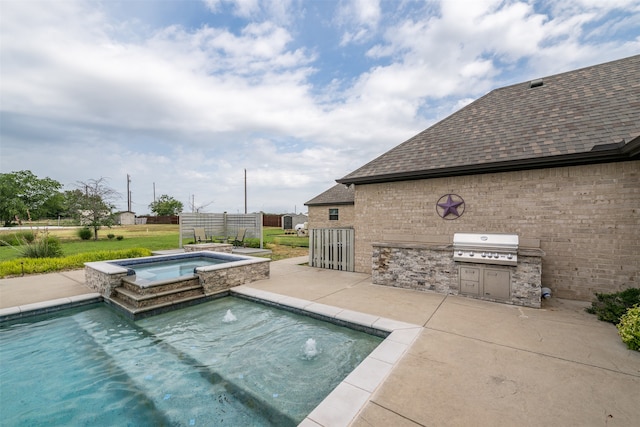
x=332 y=248
x=271 y=220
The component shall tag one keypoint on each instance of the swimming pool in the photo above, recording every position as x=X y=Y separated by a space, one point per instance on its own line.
x=196 y=366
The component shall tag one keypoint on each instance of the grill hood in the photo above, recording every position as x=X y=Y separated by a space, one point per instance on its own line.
x=486 y=241
x=486 y=248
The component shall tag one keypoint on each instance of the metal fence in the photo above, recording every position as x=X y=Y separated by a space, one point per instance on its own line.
x=221 y=225
x=332 y=248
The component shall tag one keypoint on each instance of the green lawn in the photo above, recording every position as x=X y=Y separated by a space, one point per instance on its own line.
x=277 y=236
x=152 y=241
x=152 y=237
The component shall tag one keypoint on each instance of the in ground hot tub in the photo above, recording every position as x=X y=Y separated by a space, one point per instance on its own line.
x=165 y=282
x=150 y=270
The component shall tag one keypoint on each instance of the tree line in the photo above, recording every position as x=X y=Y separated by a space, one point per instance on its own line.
x=25 y=197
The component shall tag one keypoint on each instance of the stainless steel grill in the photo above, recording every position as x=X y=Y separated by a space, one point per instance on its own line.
x=486 y=248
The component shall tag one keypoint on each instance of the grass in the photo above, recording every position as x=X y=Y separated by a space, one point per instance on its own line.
x=22 y=266
x=152 y=237
x=276 y=236
x=284 y=246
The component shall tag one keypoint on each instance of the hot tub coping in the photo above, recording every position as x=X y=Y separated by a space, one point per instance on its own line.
x=118 y=266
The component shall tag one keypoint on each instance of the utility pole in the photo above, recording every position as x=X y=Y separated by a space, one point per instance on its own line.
x=128 y=194
x=245 y=191
x=154 y=191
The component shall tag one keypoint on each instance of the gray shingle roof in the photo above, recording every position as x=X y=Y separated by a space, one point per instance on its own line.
x=520 y=127
x=336 y=195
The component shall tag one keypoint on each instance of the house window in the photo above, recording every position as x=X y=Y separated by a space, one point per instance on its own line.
x=333 y=214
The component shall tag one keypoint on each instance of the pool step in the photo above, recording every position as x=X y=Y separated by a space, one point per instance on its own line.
x=161 y=287
x=141 y=312
x=138 y=299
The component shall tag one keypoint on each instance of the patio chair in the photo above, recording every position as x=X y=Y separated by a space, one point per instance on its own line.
x=200 y=235
x=239 y=239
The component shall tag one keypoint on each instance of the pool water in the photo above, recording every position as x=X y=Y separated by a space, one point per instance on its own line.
x=195 y=366
x=171 y=269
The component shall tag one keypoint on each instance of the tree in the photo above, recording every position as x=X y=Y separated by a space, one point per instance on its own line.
x=54 y=206
x=195 y=208
x=24 y=195
x=166 y=205
x=93 y=202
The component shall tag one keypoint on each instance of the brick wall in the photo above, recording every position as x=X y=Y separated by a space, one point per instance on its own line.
x=587 y=219
x=319 y=216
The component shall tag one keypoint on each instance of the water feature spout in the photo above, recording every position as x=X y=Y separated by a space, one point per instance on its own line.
x=229 y=317
x=310 y=349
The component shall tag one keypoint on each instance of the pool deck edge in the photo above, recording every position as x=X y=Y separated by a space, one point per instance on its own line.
x=50 y=306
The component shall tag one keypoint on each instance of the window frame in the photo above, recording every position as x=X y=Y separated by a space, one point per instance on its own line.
x=334 y=214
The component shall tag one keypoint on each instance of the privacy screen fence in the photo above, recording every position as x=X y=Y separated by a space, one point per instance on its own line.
x=220 y=226
x=332 y=248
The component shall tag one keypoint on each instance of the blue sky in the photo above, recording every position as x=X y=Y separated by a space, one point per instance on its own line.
x=185 y=95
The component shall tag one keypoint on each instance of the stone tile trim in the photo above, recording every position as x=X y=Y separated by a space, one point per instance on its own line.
x=217 y=280
x=432 y=268
x=213 y=247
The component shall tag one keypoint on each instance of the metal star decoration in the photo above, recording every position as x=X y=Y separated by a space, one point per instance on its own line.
x=450 y=207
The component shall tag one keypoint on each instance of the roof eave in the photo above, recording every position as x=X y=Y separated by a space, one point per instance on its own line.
x=618 y=153
x=328 y=203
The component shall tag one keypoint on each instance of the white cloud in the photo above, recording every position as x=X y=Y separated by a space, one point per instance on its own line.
x=190 y=107
x=272 y=10
x=242 y=8
x=360 y=18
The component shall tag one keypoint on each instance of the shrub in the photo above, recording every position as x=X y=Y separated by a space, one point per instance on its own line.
x=110 y=236
x=15 y=267
x=18 y=238
x=251 y=243
x=610 y=307
x=629 y=328
x=85 y=233
x=27 y=236
x=119 y=237
x=44 y=246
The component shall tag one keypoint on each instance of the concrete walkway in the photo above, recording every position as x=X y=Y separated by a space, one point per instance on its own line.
x=475 y=363
x=33 y=289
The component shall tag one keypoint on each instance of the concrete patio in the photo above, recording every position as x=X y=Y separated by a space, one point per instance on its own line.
x=474 y=362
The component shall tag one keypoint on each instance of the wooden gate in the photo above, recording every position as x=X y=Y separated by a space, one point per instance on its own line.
x=332 y=248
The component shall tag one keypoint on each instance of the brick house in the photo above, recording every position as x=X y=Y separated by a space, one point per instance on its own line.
x=331 y=233
x=332 y=208
x=555 y=160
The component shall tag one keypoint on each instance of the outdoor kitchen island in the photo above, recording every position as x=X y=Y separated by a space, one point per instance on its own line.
x=507 y=275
